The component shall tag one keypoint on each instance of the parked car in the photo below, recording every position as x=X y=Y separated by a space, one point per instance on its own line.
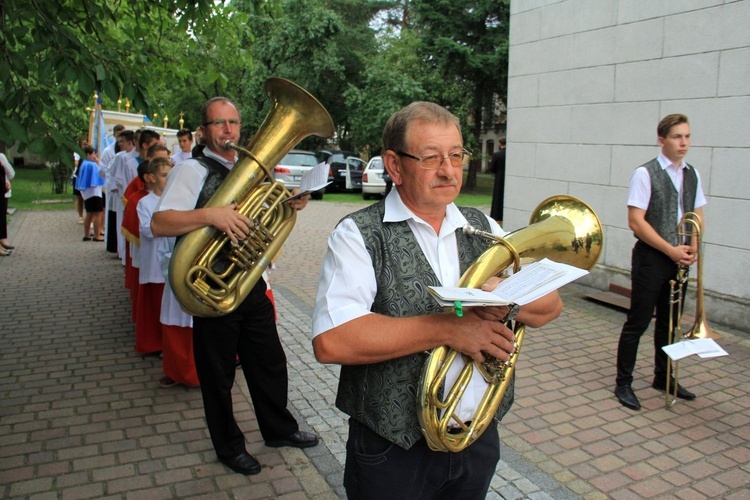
x=344 y=169
x=293 y=166
x=374 y=178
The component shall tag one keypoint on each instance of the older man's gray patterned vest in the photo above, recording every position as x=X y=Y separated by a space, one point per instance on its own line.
x=383 y=395
x=664 y=203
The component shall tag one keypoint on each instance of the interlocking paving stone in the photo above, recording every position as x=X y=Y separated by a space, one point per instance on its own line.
x=82 y=416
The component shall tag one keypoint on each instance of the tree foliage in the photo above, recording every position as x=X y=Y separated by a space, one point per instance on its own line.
x=57 y=53
x=363 y=59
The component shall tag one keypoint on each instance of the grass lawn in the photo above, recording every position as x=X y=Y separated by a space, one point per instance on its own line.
x=32 y=186
x=32 y=190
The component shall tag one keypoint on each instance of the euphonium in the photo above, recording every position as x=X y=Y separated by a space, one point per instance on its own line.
x=208 y=274
x=559 y=229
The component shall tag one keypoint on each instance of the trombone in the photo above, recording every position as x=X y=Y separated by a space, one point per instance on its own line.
x=689 y=229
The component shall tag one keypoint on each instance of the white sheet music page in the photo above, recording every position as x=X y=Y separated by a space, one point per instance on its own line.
x=537 y=280
x=530 y=283
x=704 y=348
x=314 y=179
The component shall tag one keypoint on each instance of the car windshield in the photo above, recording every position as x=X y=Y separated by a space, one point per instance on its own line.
x=376 y=164
x=299 y=160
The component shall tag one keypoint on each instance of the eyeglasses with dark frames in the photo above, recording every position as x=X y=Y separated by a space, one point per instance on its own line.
x=220 y=122
x=457 y=159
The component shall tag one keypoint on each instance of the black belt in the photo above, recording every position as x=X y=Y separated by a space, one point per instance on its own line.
x=456 y=430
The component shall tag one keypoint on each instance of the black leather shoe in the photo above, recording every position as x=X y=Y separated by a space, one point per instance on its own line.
x=682 y=393
x=299 y=439
x=242 y=463
x=626 y=397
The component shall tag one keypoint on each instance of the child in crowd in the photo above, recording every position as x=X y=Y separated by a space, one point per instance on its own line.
x=89 y=185
x=135 y=191
x=178 y=362
x=148 y=336
x=185 y=139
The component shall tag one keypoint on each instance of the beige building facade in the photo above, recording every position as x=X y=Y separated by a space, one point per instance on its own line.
x=588 y=82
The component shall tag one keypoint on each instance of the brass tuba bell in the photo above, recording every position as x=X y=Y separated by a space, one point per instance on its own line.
x=563 y=229
x=210 y=276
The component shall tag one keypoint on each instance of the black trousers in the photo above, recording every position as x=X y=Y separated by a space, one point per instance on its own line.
x=111 y=231
x=250 y=333
x=3 y=217
x=377 y=469
x=650 y=289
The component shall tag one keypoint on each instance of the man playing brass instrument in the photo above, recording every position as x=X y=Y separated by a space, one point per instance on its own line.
x=248 y=332
x=374 y=316
x=661 y=191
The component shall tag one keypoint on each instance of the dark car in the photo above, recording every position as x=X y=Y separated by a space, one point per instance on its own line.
x=344 y=169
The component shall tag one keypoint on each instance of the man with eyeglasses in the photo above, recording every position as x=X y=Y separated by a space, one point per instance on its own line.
x=250 y=331
x=375 y=317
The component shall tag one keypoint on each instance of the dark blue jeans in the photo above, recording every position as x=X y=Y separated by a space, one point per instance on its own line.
x=377 y=469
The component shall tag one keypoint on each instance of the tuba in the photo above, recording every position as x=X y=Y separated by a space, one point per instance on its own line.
x=208 y=274
x=563 y=229
x=690 y=227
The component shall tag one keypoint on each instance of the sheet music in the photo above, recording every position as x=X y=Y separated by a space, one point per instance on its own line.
x=531 y=277
x=530 y=283
x=314 y=179
x=704 y=348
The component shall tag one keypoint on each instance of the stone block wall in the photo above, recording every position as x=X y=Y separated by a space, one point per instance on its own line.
x=588 y=82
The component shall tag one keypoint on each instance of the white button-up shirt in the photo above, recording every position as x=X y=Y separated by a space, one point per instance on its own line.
x=347 y=286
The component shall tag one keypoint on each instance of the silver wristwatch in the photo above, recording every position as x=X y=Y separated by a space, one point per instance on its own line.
x=512 y=312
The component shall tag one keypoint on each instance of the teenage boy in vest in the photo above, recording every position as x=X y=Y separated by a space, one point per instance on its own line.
x=375 y=317
x=660 y=192
x=250 y=331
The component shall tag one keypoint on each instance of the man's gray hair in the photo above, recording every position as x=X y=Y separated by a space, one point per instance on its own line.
x=394 y=133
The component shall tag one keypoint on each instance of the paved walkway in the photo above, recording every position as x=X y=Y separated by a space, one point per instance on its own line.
x=82 y=416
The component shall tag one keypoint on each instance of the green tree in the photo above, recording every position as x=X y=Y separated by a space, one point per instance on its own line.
x=322 y=45
x=466 y=43
x=57 y=53
x=393 y=79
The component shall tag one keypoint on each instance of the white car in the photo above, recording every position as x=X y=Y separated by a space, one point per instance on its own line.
x=373 y=178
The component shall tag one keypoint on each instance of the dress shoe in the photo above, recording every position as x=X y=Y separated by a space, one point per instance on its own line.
x=299 y=439
x=242 y=463
x=4 y=252
x=626 y=397
x=7 y=247
x=682 y=393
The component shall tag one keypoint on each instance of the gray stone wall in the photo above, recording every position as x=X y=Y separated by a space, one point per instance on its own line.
x=588 y=82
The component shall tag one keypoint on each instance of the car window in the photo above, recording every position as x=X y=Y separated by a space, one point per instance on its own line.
x=299 y=160
x=376 y=164
x=355 y=164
